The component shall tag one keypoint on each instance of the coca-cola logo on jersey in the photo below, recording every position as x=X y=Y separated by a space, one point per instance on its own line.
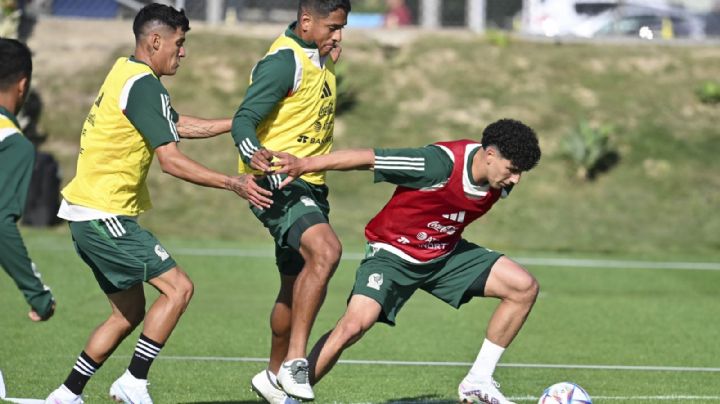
x=435 y=225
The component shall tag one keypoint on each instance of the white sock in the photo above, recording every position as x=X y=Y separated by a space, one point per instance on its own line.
x=485 y=363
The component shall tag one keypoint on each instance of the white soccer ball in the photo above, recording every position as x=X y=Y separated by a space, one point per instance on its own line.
x=565 y=393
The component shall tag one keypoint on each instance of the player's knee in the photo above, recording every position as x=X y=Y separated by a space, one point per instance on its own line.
x=187 y=290
x=325 y=257
x=528 y=288
x=182 y=292
x=330 y=252
x=350 y=331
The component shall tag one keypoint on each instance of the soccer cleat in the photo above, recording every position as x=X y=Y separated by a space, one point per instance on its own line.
x=294 y=378
x=63 y=395
x=264 y=387
x=130 y=390
x=484 y=392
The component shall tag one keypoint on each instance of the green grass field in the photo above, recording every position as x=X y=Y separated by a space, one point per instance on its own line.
x=585 y=317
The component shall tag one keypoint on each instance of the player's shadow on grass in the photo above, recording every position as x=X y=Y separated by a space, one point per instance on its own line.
x=429 y=399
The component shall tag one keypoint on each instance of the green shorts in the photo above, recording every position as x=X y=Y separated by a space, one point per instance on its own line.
x=391 y=281
x=299 y=205
x=119 y=252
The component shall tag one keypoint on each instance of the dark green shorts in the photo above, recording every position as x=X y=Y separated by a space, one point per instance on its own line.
x=120 y=252
x=298 y=204
x=391 y=281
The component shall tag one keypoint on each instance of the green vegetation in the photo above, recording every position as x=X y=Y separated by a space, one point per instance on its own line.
x=589 y=149
x=584 y=316
x=709 y=92
x=661 y=197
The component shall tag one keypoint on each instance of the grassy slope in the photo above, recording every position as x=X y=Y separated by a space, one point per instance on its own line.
x=659 y=199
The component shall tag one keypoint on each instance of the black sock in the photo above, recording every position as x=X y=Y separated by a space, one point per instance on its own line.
x=84 y=368
x=145 y=352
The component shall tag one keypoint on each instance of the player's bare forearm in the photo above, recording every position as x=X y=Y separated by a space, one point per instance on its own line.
x=197 y=128
x=173 y=162
x=342 y=160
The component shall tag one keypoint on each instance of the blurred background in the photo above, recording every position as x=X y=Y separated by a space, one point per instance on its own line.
x=647 y=19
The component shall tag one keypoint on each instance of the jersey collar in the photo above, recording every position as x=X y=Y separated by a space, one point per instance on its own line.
x=469 y=185
x=290 y=32
x=9 y=115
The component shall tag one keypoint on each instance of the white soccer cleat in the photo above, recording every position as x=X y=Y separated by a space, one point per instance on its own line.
x=130 y=390
x=484 y=392
x=294 y=378
x=63 y=395
x=264 y=387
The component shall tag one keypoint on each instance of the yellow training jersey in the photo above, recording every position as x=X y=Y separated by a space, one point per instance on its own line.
x=129 y=119
x=302 y=123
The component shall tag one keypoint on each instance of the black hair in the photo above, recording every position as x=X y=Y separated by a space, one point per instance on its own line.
x=15 y=62
x=161 y=14
x=515 y=141
x=323 y=8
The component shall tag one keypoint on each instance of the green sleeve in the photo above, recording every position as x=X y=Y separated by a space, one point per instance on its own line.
x=273 y=79
x=148 y=109
x=17 y=158
x=414 y=168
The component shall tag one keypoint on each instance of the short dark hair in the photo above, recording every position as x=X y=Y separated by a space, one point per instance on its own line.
x=15 y=62
x=162 y=14
x=515 y=141
x=323 y=8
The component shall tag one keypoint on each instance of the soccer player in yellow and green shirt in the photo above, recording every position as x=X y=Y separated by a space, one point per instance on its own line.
x=130 y=121
x=290 y=107
x=17 y=157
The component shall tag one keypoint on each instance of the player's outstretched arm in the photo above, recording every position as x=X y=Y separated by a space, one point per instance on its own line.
x=341 y=160
x=190 y=127
x=173 y=162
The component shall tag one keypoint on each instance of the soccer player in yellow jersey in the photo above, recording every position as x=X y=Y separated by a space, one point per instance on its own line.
x=290 y=107
x=130 y=121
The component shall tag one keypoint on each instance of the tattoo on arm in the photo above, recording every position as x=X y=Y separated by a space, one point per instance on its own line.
x=189 y=127
x=196 y=129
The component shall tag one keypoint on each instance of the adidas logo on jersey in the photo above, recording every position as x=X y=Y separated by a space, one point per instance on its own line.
x=455 y=217
x=326 y=91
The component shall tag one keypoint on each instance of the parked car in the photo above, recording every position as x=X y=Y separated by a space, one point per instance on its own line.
x=646 y=22
x=561 y=17
x=558 y=17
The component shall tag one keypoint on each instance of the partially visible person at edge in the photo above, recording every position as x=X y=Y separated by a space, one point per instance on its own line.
x=131 y=120
x=398 y=14
x=17 y=158
x=290 y=106
x=415 y=242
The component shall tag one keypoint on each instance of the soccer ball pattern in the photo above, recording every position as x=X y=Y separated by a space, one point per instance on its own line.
x=565 y=393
